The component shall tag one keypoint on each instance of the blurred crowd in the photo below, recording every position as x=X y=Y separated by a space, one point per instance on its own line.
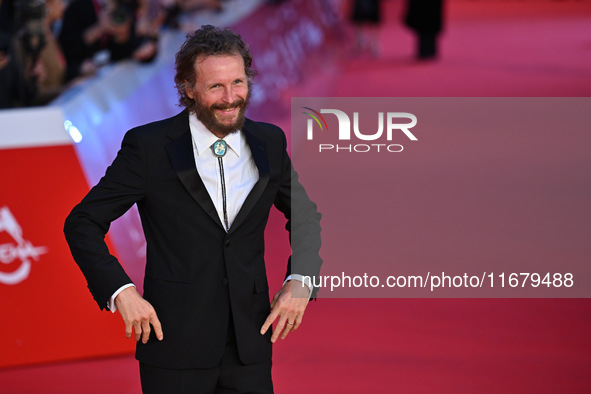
x=47 y=45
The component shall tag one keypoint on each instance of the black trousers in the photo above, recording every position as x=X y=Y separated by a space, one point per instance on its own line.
x=231 y=376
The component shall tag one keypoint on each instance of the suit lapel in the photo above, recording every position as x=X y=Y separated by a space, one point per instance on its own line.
x=261 y=159
x=180 y=152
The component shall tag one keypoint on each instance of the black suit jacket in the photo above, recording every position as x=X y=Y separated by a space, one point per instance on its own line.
x=196 y=273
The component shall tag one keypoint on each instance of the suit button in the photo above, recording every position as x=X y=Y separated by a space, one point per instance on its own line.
x=227 y=243
x=225 y=281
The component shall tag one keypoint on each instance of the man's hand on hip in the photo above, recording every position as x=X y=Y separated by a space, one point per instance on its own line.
x=289 y=305
x=138 y=314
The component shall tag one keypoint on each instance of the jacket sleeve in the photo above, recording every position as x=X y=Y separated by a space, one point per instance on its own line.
x=86 y=226
x=303 y=222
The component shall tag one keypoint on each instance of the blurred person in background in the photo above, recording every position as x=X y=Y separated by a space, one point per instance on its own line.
x=52 y=61
x=366 y=16
x=32 y=65
x=11 y=78
x=122 y=27
x=424 y=17
x=198 y=5
x=175 y=8
x=7 y=16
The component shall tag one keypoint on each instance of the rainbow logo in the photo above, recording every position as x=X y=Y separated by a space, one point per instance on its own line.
x=315 y=116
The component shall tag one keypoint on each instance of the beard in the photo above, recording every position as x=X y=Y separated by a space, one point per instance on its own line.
x=207 y=116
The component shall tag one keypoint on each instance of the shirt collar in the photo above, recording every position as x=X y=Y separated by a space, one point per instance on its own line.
x=203 y=139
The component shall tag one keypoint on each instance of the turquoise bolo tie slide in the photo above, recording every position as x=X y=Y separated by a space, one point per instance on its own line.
x=220 y=148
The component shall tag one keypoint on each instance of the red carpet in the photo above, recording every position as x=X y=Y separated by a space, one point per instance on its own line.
x=490 y=48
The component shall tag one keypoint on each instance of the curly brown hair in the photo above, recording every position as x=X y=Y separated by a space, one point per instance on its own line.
x=209 y=41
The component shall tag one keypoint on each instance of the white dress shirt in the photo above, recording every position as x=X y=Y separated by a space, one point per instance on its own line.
x=240 y=171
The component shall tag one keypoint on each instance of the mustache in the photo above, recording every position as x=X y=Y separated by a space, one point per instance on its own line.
x=237 y=103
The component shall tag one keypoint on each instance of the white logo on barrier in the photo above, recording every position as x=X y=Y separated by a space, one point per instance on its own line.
x=20 y=249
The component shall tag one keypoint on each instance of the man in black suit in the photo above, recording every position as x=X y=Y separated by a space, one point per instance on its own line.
x=204 y=182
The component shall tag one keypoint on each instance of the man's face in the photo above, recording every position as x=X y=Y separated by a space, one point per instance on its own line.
x=220 y=93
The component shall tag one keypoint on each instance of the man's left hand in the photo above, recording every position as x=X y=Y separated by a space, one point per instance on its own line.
x=289 y=305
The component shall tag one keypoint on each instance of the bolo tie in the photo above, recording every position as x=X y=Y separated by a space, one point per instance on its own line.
x=219 y=150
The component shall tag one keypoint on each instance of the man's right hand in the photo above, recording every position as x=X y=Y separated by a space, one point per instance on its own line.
x=138 y=314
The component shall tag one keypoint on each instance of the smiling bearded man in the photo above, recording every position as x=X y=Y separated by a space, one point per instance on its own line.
x=204 y=182
x=226 y=114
